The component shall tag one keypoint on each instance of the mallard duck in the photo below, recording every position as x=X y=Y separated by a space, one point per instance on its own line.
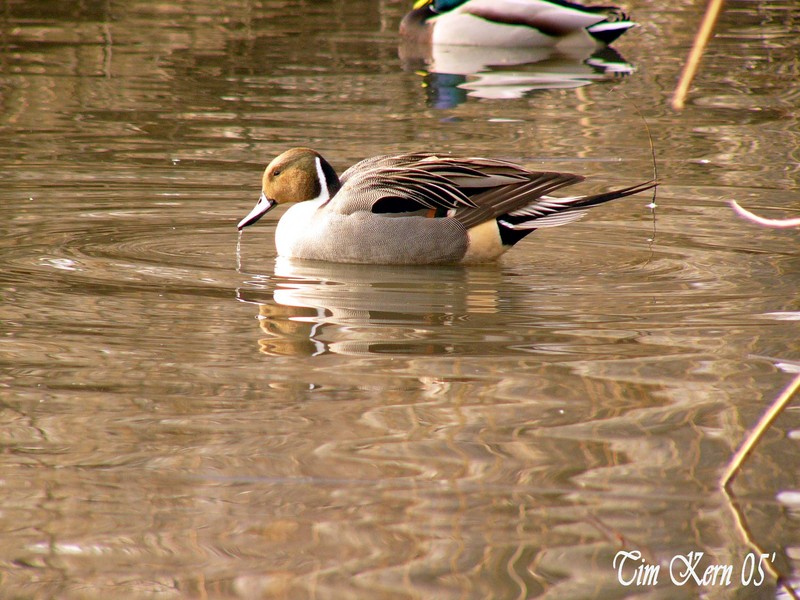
x=512 y=23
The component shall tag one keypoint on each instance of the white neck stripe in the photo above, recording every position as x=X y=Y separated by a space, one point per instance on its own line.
x=324 y=192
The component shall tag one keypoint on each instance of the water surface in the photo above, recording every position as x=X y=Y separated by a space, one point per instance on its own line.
x=186 y=416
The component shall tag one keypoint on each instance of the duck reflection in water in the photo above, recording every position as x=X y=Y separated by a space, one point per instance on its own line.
x=369 y=310
x=452 y=74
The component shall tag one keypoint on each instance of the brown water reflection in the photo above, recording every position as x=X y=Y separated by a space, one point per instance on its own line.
x=185 y=416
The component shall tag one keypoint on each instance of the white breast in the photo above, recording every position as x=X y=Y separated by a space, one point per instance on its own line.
x=294 y=226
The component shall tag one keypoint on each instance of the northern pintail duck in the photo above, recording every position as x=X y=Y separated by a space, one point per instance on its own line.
x=513 y=23
x=417 y=208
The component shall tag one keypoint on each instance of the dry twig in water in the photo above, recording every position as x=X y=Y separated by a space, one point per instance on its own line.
x=700 y=42
x=743 y=212
x=763 y=424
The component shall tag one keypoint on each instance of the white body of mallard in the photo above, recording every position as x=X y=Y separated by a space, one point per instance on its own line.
x=514 y=23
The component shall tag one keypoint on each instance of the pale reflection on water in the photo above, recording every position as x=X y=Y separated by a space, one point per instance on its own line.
x=454 y=73
x=184 y=415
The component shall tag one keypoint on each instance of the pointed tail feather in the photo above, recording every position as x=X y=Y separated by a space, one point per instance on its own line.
x=596 y=199
x=554 y=212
